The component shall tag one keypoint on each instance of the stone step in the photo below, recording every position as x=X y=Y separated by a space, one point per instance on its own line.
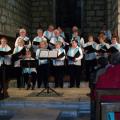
x=48 y=105
x=61 y=115
x=66 y=110
x=72 y=115
x=13 y=84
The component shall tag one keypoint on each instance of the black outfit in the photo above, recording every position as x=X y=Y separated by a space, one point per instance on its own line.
x=75 y=75
x=4 y=78
x=90 y=64
x=42 y=72
x=18 y=74
x=30 y=78
x=1 y=81
x=59 y=72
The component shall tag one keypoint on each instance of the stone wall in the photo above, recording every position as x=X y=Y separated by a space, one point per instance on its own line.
x=14 y=13
x=42 y=14
x=109 y=12
x=33 y=13
x=94 y=15
x=101 y=12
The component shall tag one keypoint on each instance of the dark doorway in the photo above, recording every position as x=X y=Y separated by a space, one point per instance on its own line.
x=68 y=13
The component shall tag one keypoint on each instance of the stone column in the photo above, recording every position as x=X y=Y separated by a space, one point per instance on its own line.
x=114 y=15
x=119 y=18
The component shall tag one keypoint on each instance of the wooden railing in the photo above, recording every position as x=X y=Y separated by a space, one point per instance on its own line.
x=107 y=107
x=104 y=92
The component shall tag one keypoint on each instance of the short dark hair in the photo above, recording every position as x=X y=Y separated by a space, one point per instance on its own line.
x=114 y=36
x=74 y=39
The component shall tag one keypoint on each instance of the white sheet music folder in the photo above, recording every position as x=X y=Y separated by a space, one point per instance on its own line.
x=53 y=54
x=44 y=53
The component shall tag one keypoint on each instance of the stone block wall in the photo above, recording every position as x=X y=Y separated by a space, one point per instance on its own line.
x=109 y=14
x=94 y=15
x=33 y=13
x=42 y=14
x=14 y=13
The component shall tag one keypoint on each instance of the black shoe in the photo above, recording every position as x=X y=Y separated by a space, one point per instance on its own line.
x=33 y=88
x=28 y=87
x=71 y=86
x=56 y=86
x=88 y=94
x=77 y=86
x=5 y=95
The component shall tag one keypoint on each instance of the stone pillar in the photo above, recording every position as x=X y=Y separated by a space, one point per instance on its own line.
x=119 y=18
x=114 y=14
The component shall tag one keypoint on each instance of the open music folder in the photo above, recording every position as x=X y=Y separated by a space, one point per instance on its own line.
x=48 y=54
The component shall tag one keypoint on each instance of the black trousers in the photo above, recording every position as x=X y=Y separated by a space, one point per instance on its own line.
x=59 y=72
x=1 y=80
x=5 y=74
x=75 y=75
x=18 y=74
x=90 y=64
x=30 y=78
x=42 y=75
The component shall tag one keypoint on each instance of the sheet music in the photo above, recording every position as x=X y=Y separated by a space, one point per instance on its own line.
x=44 y=53
x=53 y=54
x=48 y=54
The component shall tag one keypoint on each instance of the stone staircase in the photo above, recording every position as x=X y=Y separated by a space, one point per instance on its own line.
x=35 y=110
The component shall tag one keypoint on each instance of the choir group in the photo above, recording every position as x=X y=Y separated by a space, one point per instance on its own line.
x=71 y=54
